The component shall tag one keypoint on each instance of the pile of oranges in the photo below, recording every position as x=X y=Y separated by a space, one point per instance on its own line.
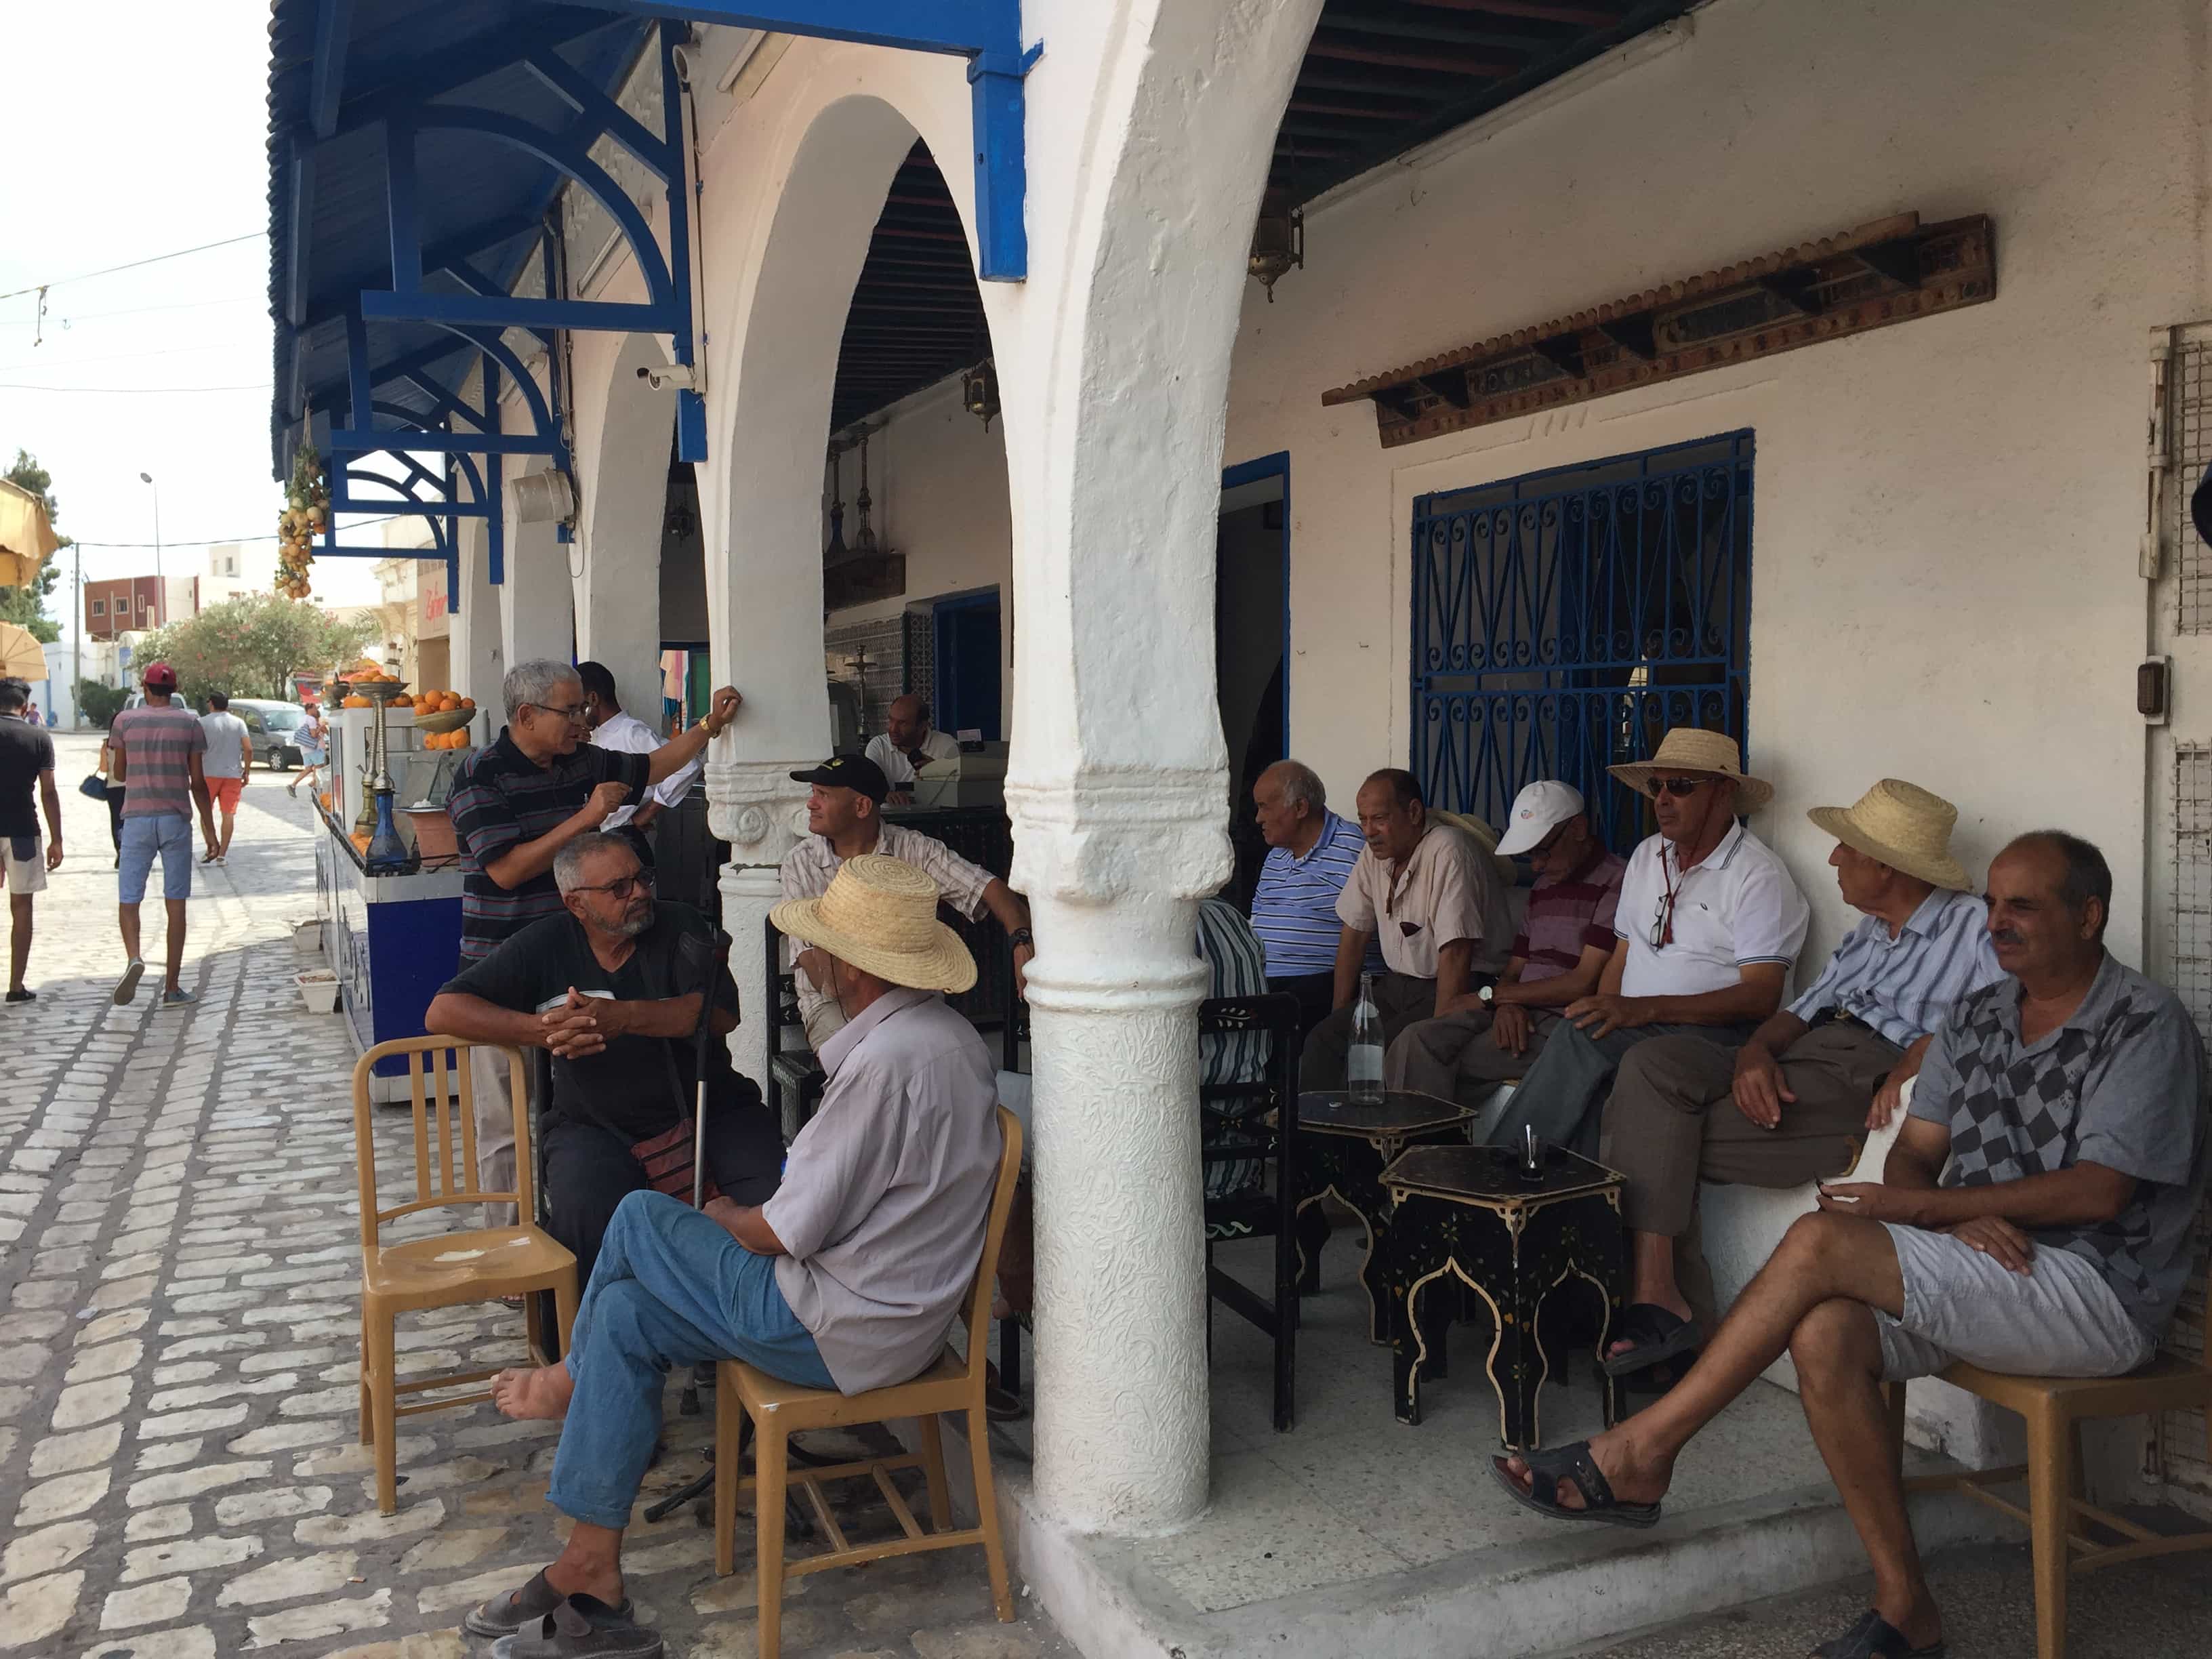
x=439 y=702
x=456 y=739
x=355 y=700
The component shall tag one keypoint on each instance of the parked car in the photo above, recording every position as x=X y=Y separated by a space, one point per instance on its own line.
x=270 y=726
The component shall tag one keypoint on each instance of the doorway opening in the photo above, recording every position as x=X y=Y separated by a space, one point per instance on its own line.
x=1251 y=644
x=968 y=664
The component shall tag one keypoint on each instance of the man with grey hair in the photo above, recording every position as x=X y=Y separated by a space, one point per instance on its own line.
x=612 y=989
x=1310 y=853
x=515 y=804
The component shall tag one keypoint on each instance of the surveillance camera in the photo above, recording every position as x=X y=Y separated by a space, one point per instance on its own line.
x=673 y=377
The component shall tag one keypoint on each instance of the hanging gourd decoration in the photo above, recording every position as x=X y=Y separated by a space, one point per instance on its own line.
x=306 y=511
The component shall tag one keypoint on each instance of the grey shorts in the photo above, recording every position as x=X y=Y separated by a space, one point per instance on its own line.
x=2058 y=1319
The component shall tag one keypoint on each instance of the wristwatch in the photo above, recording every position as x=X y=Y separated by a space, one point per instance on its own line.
x=1486 y=993
x=1021 y=936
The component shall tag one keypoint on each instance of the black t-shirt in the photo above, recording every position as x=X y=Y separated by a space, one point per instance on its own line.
x=637 y=1086
x=25 y=752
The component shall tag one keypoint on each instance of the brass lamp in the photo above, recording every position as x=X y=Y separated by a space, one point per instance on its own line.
x=1279 y=241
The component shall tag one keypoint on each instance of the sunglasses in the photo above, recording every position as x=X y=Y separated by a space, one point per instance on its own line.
x=622 y=887
x=1542 y=848
x=1680 y=788
x=1662 y=922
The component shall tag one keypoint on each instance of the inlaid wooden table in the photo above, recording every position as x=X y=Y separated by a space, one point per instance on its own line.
x=1465 y=1215
x=1343 y=1150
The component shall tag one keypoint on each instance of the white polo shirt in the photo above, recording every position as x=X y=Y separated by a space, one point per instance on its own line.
x=897 y=769
x=625 y=733
x=1738 y=906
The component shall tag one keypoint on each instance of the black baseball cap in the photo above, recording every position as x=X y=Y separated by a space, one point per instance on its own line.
x=854 y=772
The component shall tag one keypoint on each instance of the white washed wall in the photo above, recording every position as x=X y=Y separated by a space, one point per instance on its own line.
x=1943 y=564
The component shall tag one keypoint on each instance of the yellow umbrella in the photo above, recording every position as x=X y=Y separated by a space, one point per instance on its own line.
x=26 y=535
x=22 y=656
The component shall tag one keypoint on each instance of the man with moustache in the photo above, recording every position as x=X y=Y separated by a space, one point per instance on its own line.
x=611 y=988
x=1493 y=1033
x=1797 y=1099
x=1708 y=923
x=2033 y=1217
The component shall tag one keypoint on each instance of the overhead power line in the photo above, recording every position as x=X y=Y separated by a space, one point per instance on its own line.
x=133 y=265
x=351 y=523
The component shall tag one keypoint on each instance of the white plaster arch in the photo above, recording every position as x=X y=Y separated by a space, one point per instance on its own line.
x=622 y=454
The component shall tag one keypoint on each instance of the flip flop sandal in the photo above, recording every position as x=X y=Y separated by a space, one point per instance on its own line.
x=1570 y=1461
x=1875 y=1637
x=504 y=1615
x=566 y=1633
x=1657 y=1333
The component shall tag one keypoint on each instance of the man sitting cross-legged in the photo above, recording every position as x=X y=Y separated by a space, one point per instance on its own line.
x=1799 y=1098
x=848 y=1277
x=2034 y=1218
x=612 y=990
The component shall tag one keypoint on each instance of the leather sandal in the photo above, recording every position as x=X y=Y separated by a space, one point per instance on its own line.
x=504 y=1615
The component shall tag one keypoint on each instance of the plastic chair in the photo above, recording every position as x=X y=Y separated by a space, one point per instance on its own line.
x=2054 y=1408
x=474 y=1264
x=779 y=1409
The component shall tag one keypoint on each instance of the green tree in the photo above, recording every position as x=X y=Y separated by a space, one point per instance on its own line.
x=27 y=604
x=251 y=645
x=100 y=703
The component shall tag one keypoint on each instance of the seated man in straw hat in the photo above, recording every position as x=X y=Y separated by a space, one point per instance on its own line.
x=1816 y=1077
x=1708 y=923
x=2034 y=1218
x=848 y=1277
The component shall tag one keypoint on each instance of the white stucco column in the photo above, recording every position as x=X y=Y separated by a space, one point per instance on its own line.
x=476 y=632
x=623 y=441
x=1150 y=124
x=534 y=603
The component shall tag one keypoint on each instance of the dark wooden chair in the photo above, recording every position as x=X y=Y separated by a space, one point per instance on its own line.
x=791 y=1064
x=1255 y=1121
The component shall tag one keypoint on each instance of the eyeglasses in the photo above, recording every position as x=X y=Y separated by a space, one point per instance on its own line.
x=572 y=713
x=622 y=887
x=1543 y=848
x=1680 y=788
x=1662 y=921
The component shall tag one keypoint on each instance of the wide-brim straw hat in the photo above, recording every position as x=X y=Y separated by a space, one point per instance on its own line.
x=880 y=916
x=1693 y=749
x=1904 y=826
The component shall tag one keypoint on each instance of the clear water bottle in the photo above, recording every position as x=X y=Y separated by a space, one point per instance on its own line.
x=1364 y=1069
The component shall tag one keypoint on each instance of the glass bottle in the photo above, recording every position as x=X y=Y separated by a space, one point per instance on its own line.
x=1364 y=1061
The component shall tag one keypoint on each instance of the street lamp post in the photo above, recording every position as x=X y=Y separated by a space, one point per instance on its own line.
x=160 y=589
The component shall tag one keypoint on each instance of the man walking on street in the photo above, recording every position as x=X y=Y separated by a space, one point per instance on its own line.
x=229 y=757
x=157 y=749
x=27 y=756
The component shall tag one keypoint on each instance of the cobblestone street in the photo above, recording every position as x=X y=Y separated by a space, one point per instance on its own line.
x=179 y=1471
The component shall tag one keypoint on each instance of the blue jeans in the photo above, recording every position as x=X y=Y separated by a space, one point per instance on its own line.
x=672 y=1288
x=169 y=834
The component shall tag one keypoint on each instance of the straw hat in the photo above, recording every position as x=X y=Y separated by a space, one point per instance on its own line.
x=1691 y=749
x=880 y=916
x=1903 y=826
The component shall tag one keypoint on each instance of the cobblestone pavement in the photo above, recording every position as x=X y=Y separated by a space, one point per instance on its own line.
x=179 y=1471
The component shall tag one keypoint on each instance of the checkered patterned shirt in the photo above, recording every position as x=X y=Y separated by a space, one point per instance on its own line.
x=2120 y=1084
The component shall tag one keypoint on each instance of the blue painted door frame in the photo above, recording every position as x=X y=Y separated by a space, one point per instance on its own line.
x=1277 y=465
x=968 y=690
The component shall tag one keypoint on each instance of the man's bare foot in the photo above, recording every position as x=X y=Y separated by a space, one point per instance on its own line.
x=1914 y=1614
x=574 y=1579
x=1634 y=1476
x=540 y=1392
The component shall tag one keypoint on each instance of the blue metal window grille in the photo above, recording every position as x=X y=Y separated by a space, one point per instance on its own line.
x=1564 y=620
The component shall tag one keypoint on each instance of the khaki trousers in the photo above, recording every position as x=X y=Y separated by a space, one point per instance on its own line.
x=493 y=1112
x=1399 y=998
x=1456 y=1058
x=1672 y=1121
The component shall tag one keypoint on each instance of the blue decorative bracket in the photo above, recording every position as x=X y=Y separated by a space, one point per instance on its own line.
x=986 y=32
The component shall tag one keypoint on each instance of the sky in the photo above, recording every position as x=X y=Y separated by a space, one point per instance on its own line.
x=132 y=130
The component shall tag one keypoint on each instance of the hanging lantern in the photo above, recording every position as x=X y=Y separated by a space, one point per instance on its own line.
x=979 y=391
x=864 y=539
x=836 y=552
x=1279 y=241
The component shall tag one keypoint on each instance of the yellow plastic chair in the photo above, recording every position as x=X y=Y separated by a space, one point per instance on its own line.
x=476 y=1265
x=2054 y=1408
x=779 y=1409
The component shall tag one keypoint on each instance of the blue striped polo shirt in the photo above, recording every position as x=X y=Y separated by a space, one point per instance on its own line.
x=500 y=798
x=1294 y=907
x=1904 y=987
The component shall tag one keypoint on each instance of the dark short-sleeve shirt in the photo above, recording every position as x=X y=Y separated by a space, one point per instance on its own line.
x=25 y=752
x=500 y=798
x=1566 y=917
x=2120 y=1084
x=637 y=1086
x=158 y=742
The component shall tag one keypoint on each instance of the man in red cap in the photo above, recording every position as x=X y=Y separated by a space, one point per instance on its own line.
x=157 y=750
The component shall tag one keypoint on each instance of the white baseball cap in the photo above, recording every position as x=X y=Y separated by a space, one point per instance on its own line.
x=1537 y=810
